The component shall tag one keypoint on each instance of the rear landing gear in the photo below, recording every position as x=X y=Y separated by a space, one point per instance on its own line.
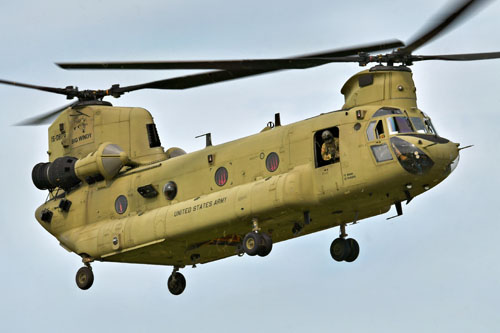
x=84 y=277
x=343 y=249
x=176 y=282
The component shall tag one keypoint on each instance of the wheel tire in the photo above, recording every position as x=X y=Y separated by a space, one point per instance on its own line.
x=176 y=283
x=252 y=243
x=84 y=278
x=354 y=253
x=266 y=246
x=339 y=249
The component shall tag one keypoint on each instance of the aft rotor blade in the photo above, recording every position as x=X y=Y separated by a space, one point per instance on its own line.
x=44 y=118
x=240 y=65
x=458 y=57
x=452 y=14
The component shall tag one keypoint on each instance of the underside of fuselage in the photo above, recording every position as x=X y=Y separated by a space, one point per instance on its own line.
x=281 y=226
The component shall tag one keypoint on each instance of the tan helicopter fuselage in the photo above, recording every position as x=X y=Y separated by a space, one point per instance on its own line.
x=276 y=180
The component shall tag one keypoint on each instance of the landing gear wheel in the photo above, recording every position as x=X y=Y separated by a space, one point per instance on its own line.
x=340 y=249
x=252 y=243
x=176 y=283
x=266 y=246
x=84 y=278
x=354 y=250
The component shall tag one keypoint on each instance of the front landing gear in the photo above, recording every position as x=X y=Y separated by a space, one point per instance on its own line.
x=84 y=277
x=257 y=244
x=176 y=282
x=343 y=249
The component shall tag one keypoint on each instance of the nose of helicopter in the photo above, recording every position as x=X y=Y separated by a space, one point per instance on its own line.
x=427 y=155
x=446 y=157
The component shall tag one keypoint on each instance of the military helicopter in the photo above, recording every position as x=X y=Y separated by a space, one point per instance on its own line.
x=116 y=195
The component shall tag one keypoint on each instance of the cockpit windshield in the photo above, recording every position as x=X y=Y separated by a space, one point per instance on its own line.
x=399 y=125
x=423 y=125
x=419 y=125
x=399 y=122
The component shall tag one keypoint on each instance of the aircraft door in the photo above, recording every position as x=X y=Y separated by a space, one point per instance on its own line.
x=377 y=141
x=327 y=157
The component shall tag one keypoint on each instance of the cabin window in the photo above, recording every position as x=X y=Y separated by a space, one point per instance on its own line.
x=399 y=125
x=326 y=143
x=221 y=176
x=121 y=204
x=375 y=130
x=154 y=139
x=272 y=162
x=170 y=190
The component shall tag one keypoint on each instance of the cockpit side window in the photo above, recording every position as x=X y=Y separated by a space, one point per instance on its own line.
x=370 y=133
x=375 y=130
x=381 y=152
x=326 y=146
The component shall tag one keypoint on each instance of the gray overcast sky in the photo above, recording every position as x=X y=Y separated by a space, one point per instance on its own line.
x=434 y=269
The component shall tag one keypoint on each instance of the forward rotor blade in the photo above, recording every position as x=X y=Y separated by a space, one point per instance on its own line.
x=234 y=65
x=44 y=118
x=458 y=57
x=452 y=14
x=240 y=65
x=62 y=91
x=367 y=48
x=196 y=80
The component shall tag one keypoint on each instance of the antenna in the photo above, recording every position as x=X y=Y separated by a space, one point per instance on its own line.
x=208 y=138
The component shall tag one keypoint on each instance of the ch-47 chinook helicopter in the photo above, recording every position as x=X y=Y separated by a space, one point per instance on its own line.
x=116 y=195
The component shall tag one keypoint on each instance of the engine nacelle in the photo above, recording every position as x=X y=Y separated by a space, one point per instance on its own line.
x=67 y=172
x=60 y=173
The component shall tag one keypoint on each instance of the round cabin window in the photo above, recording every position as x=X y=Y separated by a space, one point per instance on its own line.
x=221 y=176
x=121 y=204
x=170 y=190
x=272 y=162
